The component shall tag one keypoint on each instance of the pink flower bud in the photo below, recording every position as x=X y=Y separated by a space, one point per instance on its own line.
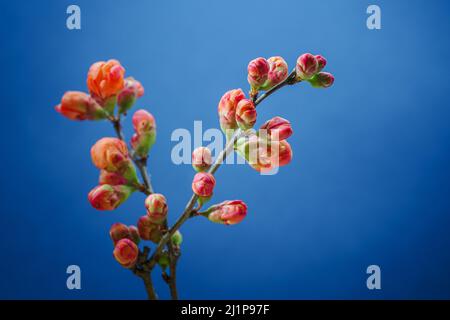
x=149 y=230
x=322 y=80
x=107 y=197
x=258 y=70
x=279 y=127
x=126 y=253
x=110 y=154
x=227 y=108
x=77 y=105
x=321 y=62
x=143 y=121
x=278 y=72
x=201 y=159
x=132 y=90
x=105 y=79
x=111 y=178
x=307 y=66
x=246 y=114
x=203 y=184
x=227 y=212
x=157 y=208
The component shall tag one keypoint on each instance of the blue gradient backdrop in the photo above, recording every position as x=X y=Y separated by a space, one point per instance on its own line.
x=369 y=183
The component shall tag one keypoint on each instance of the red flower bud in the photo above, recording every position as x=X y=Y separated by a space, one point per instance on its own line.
x=105 y=79
x=322 y=80
x=77 y=105
x=258 y=70
x=245 y=114
x=126 y=253
x=157 y=208
x=149 y=230
x=227 y=212
x=203 y=184
x=278 y=72
x=279 y=127
x=227 y=108
x=284 y=153
x=307 y=66
x=132 y=90
x=201 y=159
x=107 y=197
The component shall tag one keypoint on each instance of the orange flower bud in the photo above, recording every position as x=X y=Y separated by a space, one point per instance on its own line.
x=278 y=72
x=77 y=105
x=126 y=253
x=132 y=90
x=119 y=231
x=258 y=70
x=110 y=154
x=105 y=79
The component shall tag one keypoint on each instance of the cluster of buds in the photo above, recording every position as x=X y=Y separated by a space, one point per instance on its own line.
x=145 y=133
x=151 y=225
x=125 y=240
x=267 y=148
x=265 y=74
x=235 y=111
x=118 y=177
x=107 y=86
x=309 y=68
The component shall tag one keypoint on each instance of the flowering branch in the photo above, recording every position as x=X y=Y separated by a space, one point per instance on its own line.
x=263 y=150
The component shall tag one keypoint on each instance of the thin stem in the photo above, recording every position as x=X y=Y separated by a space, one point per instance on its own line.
x=218 y=162
x=147 y=278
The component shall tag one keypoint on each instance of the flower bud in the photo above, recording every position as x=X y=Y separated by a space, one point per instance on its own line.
x=203 y=184
x=201 y=159
x=258 y=70
x=134 y=234
x=177 y=238
x=105 y=79
x=157 y=208
x=126 y=253
x=110 y=154
x=143 y=122
x=278 y=72
x=107 y=197
x=149 y=230
x=307 y=66
x=111 y=178
x=278 y=127
x=227 y=212
x=321 y=62
x=227 y=108
x=77 y=105
x=119 y=231
x=246 y=114
x=322 y=80
x=132 y=90
x=284 y=153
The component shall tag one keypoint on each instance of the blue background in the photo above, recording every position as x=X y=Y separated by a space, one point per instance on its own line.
x=369 y=182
